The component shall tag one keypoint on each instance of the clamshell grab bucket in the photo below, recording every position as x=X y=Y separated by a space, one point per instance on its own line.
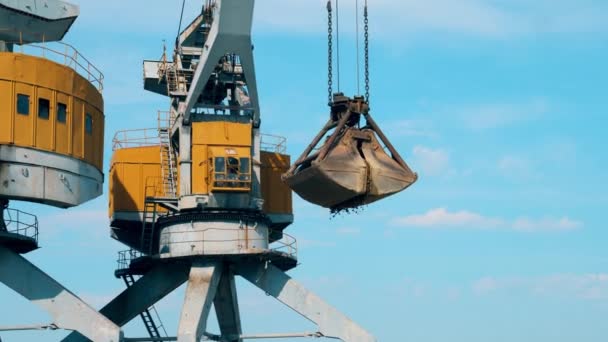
x=351 y=168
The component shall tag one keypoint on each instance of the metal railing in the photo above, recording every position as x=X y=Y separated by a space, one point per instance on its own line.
x=136 y=138
x=125 y=258
x=61 y=53
x=274 y=143
x=22 y=223
x=166 y=119
x=287 y=245
x=154 y=188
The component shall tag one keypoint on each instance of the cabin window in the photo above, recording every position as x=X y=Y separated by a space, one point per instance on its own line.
x=231 y=173
x=62 y=112
x=245 y=172
x=23 y=104
x=88 y=124
x=44 y=108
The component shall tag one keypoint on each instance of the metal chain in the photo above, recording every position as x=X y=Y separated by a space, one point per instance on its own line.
x=330 y=56
x=365 y=14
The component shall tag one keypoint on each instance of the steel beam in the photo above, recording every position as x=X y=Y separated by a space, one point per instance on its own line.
x=67 y=310
x=230 y=33
x=146 y=291
x=200 y=293
x=227 y=308
x=330 y=321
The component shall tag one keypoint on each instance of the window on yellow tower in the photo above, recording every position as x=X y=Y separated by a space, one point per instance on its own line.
x=23 y=104
x=88 y=124
x=62 y=112
x=44 y=108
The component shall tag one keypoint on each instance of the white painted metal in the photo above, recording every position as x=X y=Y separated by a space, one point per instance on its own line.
x=200 y=292
x=146 y=291
x=67 y=310
x=227 y=308
x=330 y=321
x=46 y=177
x=219 y=237
x=185 y=160
x=36 y=21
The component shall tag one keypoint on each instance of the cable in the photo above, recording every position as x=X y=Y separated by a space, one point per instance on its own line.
x=338 y=41
x=181 y=17
x=330 y=58
x=366 y=20
x=358 y=49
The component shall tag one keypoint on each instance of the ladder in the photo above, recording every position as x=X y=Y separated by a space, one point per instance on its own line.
x=167 y=159
x=153 y=324
x=148 y=225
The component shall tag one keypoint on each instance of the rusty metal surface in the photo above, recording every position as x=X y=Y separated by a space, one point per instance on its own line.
x=352 y=167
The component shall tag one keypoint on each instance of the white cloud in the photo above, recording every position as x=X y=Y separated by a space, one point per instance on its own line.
x=441 y=218
x=307 y=243
x=592 y=286
x=348 y=231
x=517 y=168
x=485 y=285
x=410 y=128
x=431 y=162
x=496 y=115
x=546 y=224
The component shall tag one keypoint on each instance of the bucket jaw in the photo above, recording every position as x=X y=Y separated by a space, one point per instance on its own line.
x=351 y=167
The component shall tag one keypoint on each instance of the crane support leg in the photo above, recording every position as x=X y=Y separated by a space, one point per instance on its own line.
x=200 y=293
x=330 y=321
x=227 y=308
x=145 y=292
x=67 y=310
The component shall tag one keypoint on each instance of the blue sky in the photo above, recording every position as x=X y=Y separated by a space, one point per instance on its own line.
x=499 y=105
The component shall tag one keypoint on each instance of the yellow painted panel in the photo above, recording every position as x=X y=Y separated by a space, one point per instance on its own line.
x=221 y=133
x=276 y=194
x=77 y=128
x=200 y=170
x=99 y=140
x=6 y=112
x=62 y=129
x=32 y=76
x=47 y=74
x=135 y=173
x=44 y=126
x=24 y=124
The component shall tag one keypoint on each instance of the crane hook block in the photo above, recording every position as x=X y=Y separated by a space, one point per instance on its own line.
x=351 y=167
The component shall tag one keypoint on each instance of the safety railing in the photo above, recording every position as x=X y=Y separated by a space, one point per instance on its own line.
x=166 y=119
x=274 y=143
x=154 y=188
x=287 y=245
x=21 y=223
x=125 y=258
x=136 y=138
x=61 y=53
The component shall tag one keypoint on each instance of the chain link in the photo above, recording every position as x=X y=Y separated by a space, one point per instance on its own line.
x=365 y=14
x=330 y=55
